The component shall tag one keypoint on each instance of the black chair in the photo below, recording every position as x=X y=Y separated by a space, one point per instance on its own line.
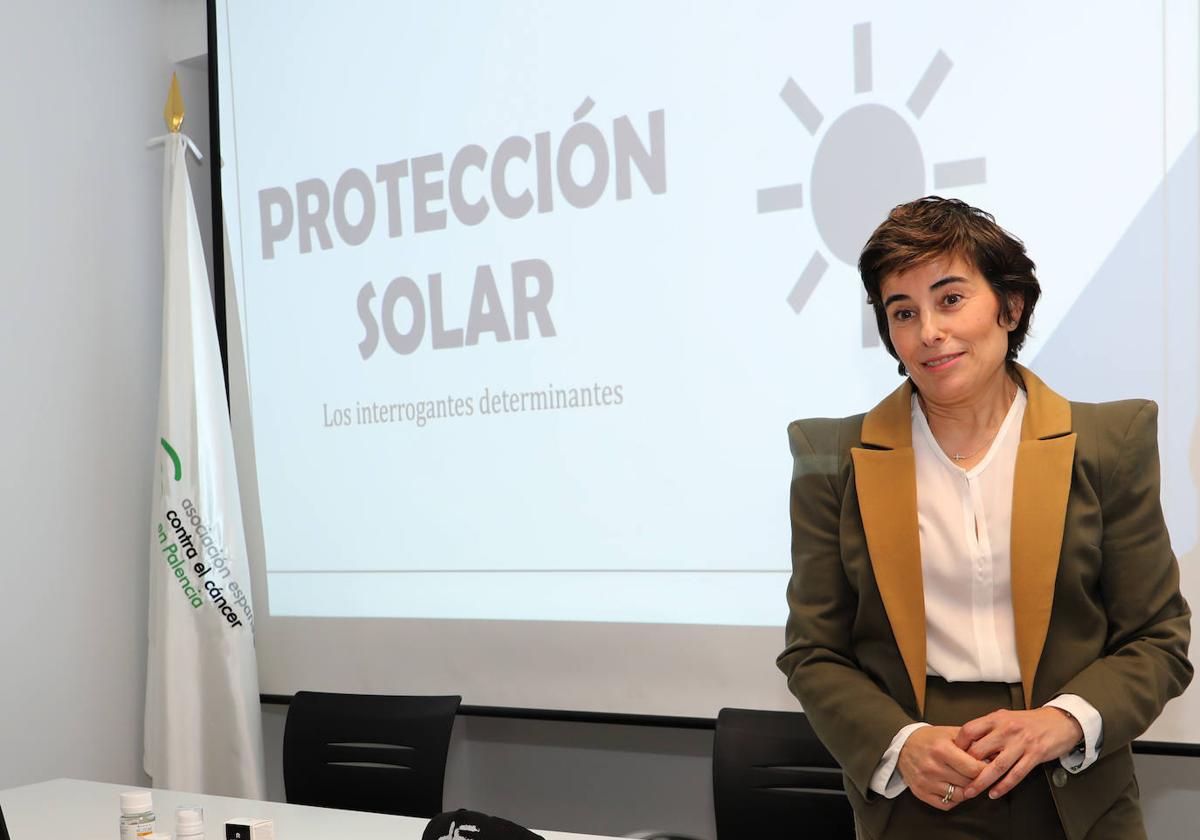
x=368 y=752
x=3 y=827
x=772 y=777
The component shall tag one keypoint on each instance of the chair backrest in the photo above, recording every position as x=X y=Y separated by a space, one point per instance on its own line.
x=368 y=752
x=772 y=777
x=3 y=827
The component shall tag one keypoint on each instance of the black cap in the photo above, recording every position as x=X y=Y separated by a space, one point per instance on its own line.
x=472 y=825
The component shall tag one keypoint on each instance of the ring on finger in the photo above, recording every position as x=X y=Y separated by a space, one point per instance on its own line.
x=950 y=788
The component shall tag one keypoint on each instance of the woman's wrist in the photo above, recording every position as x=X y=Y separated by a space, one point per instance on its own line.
x=1076 y=740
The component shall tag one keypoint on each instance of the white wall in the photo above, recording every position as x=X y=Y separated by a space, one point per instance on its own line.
x=80 y=278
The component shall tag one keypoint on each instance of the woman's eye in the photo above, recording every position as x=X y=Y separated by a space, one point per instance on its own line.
x=953 y=298
x=902 y=314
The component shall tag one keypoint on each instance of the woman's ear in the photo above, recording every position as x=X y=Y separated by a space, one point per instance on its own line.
x=1015 y=309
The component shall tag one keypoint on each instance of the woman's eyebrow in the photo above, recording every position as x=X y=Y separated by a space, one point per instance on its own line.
x=945 y=281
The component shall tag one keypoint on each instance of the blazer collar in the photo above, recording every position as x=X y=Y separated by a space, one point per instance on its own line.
x=885 y=479
x=1047 y=415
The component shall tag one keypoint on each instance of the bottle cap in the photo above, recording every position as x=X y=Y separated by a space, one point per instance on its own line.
x=189 y=819
x=136 y=802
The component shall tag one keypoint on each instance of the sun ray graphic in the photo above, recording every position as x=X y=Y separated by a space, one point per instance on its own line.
x=862 y=58
x=868 y=159
x=930 y=83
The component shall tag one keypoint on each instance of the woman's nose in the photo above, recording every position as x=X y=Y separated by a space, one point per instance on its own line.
x=932 y=331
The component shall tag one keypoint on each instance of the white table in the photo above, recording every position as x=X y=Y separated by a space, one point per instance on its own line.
x=71 y=809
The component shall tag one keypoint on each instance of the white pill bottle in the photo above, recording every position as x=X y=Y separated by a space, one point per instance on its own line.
x=137 y=815
x=189 y=822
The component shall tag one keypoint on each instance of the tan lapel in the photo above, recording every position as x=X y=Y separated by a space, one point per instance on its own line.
x=886 y=481
x=1041 y=486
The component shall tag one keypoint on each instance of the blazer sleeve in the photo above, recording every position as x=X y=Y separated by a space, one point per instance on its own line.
x=851 y=714
x=1145 y=660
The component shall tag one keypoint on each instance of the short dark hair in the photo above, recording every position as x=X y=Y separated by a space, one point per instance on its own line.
x=932 y=227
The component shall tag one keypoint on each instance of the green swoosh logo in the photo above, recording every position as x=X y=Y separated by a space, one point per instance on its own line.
x=174 y=459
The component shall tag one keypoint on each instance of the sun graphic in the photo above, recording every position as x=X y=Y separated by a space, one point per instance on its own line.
x=868 y=160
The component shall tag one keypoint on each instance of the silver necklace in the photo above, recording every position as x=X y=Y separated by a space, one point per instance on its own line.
x=958 y=456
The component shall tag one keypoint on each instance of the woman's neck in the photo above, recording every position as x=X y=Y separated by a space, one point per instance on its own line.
x=978 y=414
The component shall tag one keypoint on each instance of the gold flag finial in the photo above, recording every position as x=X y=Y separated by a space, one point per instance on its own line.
x=173 y=112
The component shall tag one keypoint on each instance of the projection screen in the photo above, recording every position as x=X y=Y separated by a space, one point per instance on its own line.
x=524 y=295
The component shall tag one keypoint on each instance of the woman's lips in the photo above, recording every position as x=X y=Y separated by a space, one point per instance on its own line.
x=941 y=362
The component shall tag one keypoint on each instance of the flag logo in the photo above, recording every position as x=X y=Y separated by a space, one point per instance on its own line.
x=174 y=458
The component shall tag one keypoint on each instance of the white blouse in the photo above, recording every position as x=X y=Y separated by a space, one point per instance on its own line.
x=965 y=523
x=965 y=519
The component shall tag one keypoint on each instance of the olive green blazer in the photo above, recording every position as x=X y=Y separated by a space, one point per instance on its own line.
x=1095 y=585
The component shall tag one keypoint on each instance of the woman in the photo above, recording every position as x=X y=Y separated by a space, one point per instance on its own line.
x=984 y=605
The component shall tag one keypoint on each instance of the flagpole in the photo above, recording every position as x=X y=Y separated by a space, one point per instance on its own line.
x=173 y=115
x=173 y=111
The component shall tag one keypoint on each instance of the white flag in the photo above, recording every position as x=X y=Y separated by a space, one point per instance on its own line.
x=203 y=719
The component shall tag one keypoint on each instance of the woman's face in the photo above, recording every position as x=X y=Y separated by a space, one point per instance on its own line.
x=942 y=319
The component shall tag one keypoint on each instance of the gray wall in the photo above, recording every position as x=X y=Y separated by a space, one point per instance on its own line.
x=79 y=344
x=80 y=233
x=80 y=321
x=621 y=779
x=590 y=778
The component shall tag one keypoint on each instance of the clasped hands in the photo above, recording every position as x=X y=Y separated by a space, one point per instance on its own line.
x=992 y=753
